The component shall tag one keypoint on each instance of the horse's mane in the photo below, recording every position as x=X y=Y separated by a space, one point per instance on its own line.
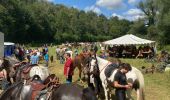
x=10 y=87
x=81 y=55
x=101 y=60
x=12 y=59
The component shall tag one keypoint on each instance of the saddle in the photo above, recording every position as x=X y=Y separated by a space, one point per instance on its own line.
x=27 y=68
x=36 y=88
x=39 y=88
x=19 y=64
x=109 y=69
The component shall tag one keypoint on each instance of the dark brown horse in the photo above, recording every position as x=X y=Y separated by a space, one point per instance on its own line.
x=19 y=91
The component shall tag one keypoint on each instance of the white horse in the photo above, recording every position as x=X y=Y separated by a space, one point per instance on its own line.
x=39 y=70
x=167 y=68
x=135 y=76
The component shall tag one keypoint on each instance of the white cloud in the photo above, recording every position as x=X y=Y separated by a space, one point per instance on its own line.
x=131 y=14
x=74 y=6
x=117 y=15
x=132 y=1
x=111 y=4
x=94 y=9
x=134 y=14
x=50 y=0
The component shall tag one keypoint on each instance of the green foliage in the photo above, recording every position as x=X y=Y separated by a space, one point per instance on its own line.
x=38 y=21
x=138 y=27
x=157 y=16
x=164 y=23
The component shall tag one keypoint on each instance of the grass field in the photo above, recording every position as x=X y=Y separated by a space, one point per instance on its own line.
x=157 y=85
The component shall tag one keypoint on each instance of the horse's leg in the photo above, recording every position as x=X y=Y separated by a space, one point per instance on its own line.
x=110 y=94
x=11 y=80
x=140 y=94
x=105 y=91
x=129 y=92
x=79 y=73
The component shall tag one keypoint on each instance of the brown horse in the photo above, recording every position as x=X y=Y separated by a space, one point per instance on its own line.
x=81 y=61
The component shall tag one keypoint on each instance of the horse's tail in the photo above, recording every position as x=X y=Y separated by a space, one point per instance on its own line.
x=140 y=90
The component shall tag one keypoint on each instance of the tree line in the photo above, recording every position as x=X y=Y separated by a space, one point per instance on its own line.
x=38 y=21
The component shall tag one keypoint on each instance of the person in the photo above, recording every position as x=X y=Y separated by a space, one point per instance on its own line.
x=51 y=58
x=46 y=58
x=68 y=68
x=34 y=58
x=140 y=51
x=57 y=53
x=61 y=55
x=76 y=52
x=120 y=81
x=46 y=48
x=3 y=78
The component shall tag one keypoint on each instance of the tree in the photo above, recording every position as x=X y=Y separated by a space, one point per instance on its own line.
x=150 y=10
x=138 y=27
x=39 y=21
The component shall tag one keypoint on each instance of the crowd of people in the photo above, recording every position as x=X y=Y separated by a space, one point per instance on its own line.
x=131 y=51
x=32 y=56
x=66 y=53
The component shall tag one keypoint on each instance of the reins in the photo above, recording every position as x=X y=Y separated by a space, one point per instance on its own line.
x=105 y=66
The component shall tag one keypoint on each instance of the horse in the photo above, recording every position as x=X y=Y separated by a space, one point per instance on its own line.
x=16 y=70
x=19 y=91
x=80 y=61
x=134 y=77
x=73 y=92
x=8 y=64
x=14 y=92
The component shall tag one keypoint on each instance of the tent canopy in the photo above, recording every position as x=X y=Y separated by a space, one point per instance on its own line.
x=128 y=39
x=9 y=43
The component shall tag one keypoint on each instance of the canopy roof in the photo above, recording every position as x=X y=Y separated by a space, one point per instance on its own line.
x=128 y=39
x=9 y=43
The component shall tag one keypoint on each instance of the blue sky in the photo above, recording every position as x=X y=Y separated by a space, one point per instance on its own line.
x=124 y=9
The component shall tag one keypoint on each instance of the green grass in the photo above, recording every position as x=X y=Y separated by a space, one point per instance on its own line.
x=157 y=85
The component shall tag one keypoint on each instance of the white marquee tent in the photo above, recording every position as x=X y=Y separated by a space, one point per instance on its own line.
x=128 y=39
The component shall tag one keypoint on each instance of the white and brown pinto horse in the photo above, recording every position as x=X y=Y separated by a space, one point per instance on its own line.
x=134 y=77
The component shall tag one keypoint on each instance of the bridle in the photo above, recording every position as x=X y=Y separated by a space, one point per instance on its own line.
x=97 y=64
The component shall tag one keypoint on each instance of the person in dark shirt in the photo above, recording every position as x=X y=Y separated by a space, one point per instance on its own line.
x=120 y=81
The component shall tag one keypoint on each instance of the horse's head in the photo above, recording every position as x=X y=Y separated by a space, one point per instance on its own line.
x=90 y=67
x=9 y=62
